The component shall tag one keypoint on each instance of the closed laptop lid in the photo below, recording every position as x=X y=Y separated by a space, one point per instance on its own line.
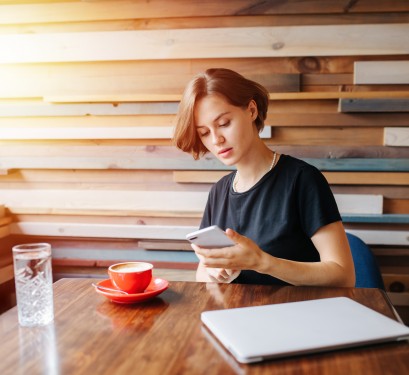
x=256 y=333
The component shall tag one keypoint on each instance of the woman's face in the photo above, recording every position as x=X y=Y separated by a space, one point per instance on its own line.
x=226 y=131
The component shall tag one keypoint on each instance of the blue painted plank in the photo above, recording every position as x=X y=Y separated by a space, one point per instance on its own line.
x=361 y=165
x=383 y=219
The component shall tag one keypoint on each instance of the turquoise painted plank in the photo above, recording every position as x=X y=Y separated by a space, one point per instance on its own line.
x=383 y=219
x=361 y=165
x=166 y=162
x=349 y=164
x=133 y=254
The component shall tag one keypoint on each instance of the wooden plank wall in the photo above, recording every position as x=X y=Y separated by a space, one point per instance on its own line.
x=89 y=92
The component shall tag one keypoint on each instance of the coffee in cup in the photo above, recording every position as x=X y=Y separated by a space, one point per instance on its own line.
x=131 y=277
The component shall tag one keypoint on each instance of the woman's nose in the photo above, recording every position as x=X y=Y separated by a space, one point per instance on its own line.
x=217 y=138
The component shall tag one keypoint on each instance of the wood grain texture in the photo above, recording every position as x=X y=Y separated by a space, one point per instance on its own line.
x=78 y=11
x=334 y=178
x=160 y=126
x=124 y=98
x=174 y=201
x=87 y=327
x=206 y=22
x=207 y=43
x=76 y=132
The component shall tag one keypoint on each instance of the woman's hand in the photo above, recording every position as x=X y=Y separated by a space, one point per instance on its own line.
x=244 y=255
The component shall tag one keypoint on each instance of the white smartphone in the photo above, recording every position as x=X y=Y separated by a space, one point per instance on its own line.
x=210 y=237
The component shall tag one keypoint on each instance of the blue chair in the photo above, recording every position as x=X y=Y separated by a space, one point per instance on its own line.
x=367 y=272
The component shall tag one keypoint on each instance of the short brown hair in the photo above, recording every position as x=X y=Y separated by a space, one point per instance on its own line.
x=237 y=90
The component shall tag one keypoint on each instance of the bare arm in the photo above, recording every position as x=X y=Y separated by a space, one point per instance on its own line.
x=335 y=267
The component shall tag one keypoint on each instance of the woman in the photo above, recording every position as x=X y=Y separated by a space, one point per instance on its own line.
x=278 y=210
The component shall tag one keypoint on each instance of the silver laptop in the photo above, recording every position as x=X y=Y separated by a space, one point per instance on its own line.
x=253 y=334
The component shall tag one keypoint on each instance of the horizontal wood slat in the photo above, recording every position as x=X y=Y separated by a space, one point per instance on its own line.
x=124 y=98
x=129 y=149
x=33 y=108
x=60 y=160
x=80 y=11
x=352 y=136
x=396 y=206
x=381 y=72
x=101 y=230
x=207 y=43
x=334 y=178
x=123 y=127
x=382 y=237
x=31 y=124
x=396 y=137
x=76 y=132
x=41 y=109
x=374 y=105
x=377 y=219
x=377 y=237
x=177 y=201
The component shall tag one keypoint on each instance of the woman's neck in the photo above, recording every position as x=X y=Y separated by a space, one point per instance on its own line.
x=249 y=174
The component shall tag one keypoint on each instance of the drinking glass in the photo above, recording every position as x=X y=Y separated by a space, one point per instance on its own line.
x=34 y=284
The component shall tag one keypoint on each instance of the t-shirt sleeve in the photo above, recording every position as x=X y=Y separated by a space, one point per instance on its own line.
x=315 y=201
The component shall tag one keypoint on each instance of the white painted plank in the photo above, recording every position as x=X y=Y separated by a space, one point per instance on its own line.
x=370 y=237
x=106 y=199
x=359 y=203
x=6 y=273
x=102 y=230
x=382 y=237
x=154 y=132
x=322 y=40
x=153 y=200
x=101 y=128
x=381 y=72
x=41 y=109
x=396 y=137
x=266 y=132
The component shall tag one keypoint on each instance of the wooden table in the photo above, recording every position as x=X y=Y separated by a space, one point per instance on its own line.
x=91 y=335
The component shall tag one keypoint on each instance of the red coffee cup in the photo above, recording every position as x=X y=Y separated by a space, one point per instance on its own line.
x=131 y=277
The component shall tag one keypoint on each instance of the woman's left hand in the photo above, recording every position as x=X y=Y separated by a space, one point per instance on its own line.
x=244 y=255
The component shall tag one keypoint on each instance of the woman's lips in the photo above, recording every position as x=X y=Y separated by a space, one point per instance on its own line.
x=225 y=152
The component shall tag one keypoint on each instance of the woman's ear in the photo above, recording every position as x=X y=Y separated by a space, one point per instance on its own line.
x=253 y=110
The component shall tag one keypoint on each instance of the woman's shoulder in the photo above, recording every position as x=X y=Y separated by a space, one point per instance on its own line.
x=224 y=183
x=295 y=166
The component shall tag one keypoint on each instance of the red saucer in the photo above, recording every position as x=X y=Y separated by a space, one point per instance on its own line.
x=156 y=287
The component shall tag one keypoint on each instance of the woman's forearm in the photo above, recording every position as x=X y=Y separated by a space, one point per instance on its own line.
x=324 y=273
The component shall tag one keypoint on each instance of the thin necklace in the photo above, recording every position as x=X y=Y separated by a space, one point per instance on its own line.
x=236 y=176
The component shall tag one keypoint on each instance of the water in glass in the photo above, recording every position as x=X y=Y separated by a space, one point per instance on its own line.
x=33 y=277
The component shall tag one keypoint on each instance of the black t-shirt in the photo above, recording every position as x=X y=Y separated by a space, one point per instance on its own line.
x=280 y=213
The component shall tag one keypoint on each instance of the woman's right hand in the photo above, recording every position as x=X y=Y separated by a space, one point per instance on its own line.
x=219 y=275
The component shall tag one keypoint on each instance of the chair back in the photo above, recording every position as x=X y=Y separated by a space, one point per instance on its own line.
x=367 y=272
